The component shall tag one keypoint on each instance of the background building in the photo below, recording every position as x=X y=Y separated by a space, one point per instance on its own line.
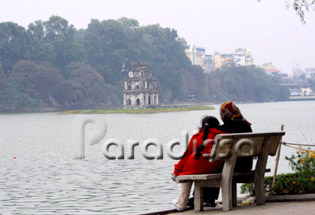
x=242 y=57
x=269 y=68
x=140 y=87
x=208 y=63
x=196 y=54
x=249 y=60
x=222 y=60
x=239 y=57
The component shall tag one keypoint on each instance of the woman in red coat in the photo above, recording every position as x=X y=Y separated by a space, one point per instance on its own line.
x=196 y=158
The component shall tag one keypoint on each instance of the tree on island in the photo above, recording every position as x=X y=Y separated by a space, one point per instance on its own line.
x=52 y=63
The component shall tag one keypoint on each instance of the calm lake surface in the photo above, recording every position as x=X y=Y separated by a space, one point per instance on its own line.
x=39 y=174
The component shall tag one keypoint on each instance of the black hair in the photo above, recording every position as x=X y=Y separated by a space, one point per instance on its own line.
x=206 y=123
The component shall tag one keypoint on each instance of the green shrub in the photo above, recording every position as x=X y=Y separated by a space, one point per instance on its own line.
x=250 y=188
x=301 y=181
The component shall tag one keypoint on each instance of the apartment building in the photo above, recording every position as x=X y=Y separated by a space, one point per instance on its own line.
x=198 y=56
x=241 y=57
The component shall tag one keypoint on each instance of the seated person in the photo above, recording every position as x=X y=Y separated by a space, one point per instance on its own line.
x=196 y=158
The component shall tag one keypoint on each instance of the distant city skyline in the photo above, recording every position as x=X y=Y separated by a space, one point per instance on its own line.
x=270 y=31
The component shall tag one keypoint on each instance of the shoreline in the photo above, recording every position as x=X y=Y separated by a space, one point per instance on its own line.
x=141 y=111
x=111 y=110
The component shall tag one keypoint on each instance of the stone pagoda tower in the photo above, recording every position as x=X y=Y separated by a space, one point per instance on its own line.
x=140 y=87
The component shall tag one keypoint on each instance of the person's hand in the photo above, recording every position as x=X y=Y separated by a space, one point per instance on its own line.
x=173 y=176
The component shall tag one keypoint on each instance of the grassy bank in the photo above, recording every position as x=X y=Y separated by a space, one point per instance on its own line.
x=140 y=111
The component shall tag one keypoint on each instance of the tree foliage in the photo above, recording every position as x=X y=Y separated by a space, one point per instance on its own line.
x=54 y=41
x=301 y=7
x=14 y=45
x=53 y=64
x=242 y=84
x=86 y=86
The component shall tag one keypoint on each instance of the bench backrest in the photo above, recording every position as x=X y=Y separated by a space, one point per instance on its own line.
x=244 y=144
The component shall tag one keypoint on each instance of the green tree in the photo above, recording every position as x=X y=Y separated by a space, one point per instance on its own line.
x=165 y=52
x=193 y=84
x=283 y=94
x=106 y=45
x=85 y=84
x=242 y=84
x=54 y=41
x=12 y=99
x=36 y=80
x=18 y=93
x=42 y=49
x=14 y=45
x=111 y=43
x=3 y=80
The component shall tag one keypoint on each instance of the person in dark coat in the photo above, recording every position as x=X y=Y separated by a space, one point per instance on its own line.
x=234 y=122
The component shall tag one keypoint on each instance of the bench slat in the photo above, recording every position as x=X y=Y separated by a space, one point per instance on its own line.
x=243 y=144
x=185 y=178
x=247 y=135
x=201 y=177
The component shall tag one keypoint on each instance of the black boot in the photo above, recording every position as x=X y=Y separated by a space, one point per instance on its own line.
x=190 y=202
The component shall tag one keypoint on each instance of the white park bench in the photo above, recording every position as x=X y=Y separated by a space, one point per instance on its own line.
x=229 y=147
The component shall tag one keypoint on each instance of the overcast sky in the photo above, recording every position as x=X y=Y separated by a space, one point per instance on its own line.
x=267 y=28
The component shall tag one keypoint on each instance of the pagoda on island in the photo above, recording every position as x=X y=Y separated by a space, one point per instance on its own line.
x=140 y=87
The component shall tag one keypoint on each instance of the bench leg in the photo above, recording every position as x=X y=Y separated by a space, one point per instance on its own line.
x=260 y=192
x=260 y=172
x=198 y=198
x=234 y=194
x=227 y=197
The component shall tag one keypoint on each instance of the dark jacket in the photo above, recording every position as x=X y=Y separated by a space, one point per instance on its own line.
x=243 y=164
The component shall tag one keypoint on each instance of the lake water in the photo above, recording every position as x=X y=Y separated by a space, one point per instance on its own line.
x=39 y=174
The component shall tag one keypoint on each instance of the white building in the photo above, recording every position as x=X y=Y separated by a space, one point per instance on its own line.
x=198 y=56
x=208 y=64
x=195 y=54
x=241 y=57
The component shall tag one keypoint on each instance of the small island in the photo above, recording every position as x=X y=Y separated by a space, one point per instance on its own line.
x=141 y=111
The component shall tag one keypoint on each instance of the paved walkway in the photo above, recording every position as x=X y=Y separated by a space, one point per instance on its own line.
x=271 y=208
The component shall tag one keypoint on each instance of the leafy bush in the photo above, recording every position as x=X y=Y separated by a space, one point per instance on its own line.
x=301 y=181
x=250 y=188
x=303 y=164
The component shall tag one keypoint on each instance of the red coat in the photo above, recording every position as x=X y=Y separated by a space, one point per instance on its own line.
x=189 y=165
